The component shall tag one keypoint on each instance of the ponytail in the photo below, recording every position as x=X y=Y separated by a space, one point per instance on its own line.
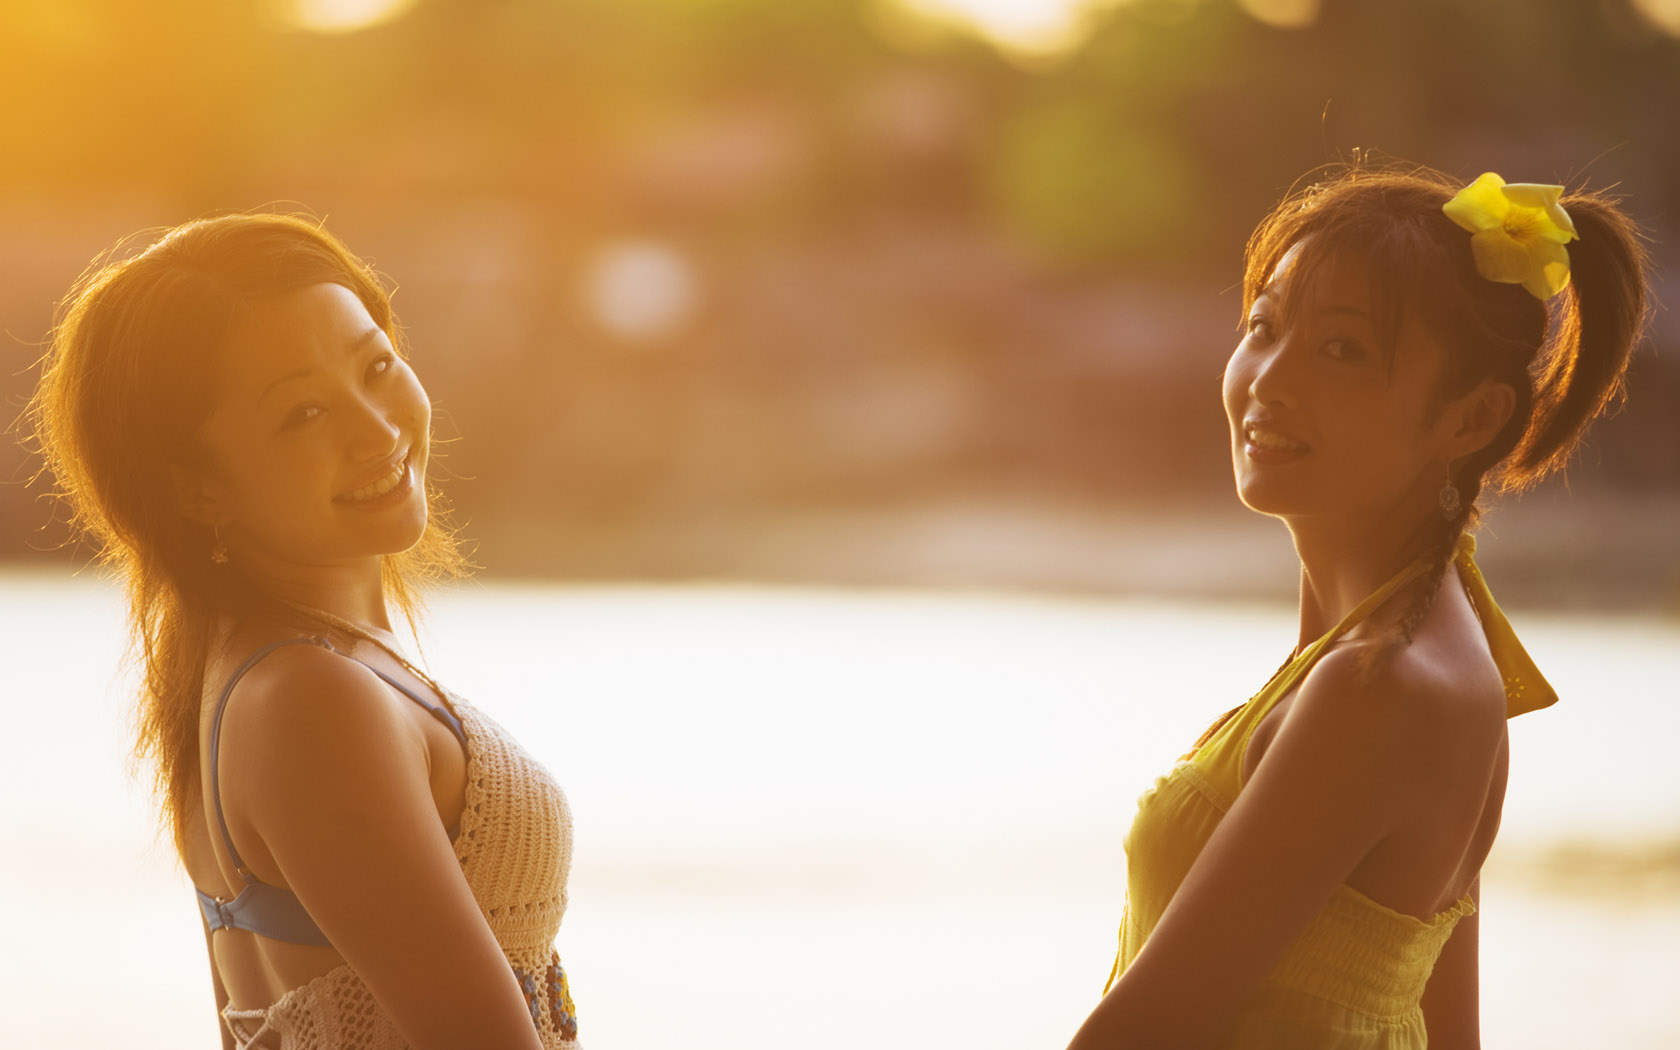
x=1580 y=370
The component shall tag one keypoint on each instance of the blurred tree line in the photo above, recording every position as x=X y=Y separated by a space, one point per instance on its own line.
x=671 y=266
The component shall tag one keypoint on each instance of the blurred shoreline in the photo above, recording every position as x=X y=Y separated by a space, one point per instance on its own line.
x=1623 y=873
x=1605 y=552
x=1598 y=552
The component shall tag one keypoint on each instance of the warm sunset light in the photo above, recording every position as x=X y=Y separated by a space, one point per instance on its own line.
x=1664 y=14
x=1284 y=14
x=1047 y=27
x=1032 y=26
x=779 y=485
x=641 y=290
x=341 y=16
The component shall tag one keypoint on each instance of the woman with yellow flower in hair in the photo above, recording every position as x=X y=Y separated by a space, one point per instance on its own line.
x=1307 y=875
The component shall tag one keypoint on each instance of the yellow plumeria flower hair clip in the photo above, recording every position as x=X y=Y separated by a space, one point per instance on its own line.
x=1517 y=231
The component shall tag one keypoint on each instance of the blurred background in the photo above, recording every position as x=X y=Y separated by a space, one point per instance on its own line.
x=845 y=290
x=872 y=342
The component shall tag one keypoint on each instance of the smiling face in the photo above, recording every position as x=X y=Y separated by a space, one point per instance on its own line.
x=1325 y=420
x=315 y=452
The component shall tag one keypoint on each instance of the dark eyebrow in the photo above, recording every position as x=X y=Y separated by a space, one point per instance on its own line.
x=356 y=344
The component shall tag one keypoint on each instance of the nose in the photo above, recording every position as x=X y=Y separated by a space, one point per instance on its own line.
x=372 y=430
x=1273 y=381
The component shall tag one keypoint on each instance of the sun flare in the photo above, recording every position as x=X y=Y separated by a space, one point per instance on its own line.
x=340 y=16
x=1024 y=25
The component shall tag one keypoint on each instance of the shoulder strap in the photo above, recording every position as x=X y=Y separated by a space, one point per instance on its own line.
x=442 y=714
x=1242 y=719
x=1297 y=667
x=216 y=742
x=260 y=908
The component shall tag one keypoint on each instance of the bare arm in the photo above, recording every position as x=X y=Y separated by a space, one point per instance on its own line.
x=1336 y=780
x=1451 y=1001
x=323 y=769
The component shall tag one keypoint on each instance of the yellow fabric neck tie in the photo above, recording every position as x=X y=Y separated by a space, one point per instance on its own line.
x=1525 y=688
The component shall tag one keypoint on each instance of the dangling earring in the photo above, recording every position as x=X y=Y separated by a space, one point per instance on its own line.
x=1449 y=500
x=218 y=552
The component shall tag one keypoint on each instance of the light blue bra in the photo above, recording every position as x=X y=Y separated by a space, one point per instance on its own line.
x=260 y=908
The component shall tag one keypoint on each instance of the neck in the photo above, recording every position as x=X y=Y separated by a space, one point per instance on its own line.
x=1343 y=561
x=352 y=591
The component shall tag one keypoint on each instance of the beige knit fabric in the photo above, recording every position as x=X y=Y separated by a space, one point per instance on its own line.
x=515 y=848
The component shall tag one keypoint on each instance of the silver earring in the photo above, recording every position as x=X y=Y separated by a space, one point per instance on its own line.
x=218 y=552
x=1449 y=500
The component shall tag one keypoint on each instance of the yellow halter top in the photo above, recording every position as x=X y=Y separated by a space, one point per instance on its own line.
x=1354 y=978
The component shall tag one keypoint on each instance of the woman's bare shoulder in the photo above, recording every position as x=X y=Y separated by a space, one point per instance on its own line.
x=308 y=708
x=300 y=681
x=1439 y=694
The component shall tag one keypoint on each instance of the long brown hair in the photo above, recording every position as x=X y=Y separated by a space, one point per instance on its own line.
x=125 y=388
x=1565 y=358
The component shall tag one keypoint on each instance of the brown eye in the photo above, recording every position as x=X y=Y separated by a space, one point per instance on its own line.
x=300 y=415
x=379 y=366
x=1344 y=350
x=1260 y=329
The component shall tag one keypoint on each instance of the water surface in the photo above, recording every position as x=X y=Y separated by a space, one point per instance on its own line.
x=815 y=817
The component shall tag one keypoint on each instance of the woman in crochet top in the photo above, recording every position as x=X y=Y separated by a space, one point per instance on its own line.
x=1307 y=875
x=231 y=417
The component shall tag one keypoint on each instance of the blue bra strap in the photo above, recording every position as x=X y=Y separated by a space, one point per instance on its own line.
x=260 y=908
x=216 y=742
x=442 y=714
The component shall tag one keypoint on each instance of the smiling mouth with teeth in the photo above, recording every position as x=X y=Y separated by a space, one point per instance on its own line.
x=375 y=489
x=1271 y=442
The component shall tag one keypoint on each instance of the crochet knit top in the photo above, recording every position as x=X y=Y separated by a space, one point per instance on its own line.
x=515 y=849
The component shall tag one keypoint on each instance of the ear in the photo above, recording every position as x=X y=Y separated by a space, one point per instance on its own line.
x=195 y=497
x=1472 y=421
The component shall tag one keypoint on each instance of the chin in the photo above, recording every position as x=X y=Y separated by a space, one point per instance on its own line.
x=394 y=537
x=412 y=533
x=1272 y=499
